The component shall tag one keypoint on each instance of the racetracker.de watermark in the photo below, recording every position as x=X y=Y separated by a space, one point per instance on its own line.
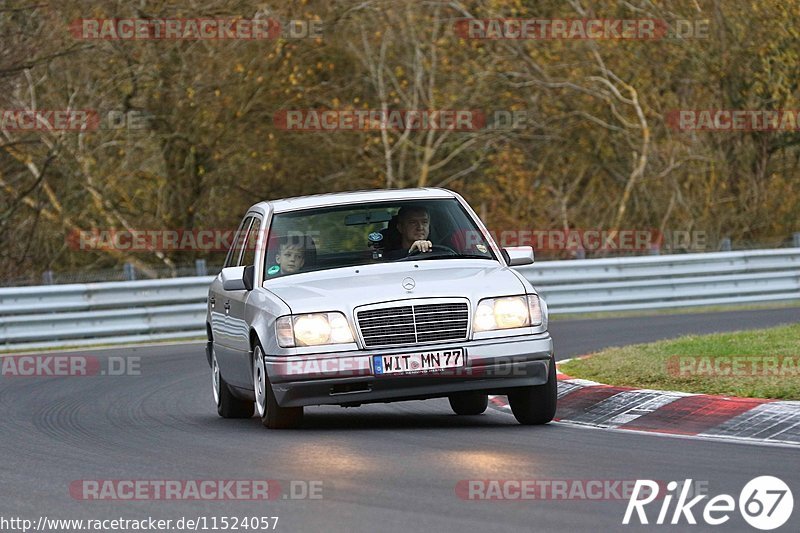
x=580 y=29
x=196 y=489
x=379 y=119
x=147 y=240
x=68 y=366
x=173 y=240
x=333 y=367
x=571 y=239
x=593 y=239
x=734 y=119
x=22 y=120
x=554 y=489
x=192 y=29
x=365 y=119
x=736 y=366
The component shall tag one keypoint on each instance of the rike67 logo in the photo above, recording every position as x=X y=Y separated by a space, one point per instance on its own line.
x=765 y=503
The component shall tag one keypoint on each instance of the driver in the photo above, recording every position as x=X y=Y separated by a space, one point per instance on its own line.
x=414 y=226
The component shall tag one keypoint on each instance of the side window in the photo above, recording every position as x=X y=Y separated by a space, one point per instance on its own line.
x=250 y=243
x=235 y=252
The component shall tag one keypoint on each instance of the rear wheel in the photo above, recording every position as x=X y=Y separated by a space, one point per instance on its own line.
x=228 y=405
x=536 y=404
x=272 y=415
x=469 y=403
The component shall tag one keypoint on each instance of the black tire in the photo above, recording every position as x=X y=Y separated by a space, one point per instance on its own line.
x=272 y=415
x=536 y=404
x=469 y=403
x=228 y=405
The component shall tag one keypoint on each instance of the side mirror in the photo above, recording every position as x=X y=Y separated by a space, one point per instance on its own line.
x=518 y=255
x=238 y=278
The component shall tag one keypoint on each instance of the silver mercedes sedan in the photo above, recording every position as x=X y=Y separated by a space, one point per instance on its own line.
x=375 y=296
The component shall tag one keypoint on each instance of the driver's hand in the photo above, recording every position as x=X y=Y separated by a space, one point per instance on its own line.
x=422 y=246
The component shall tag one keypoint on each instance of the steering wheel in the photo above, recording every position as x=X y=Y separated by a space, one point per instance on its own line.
x=434 y=248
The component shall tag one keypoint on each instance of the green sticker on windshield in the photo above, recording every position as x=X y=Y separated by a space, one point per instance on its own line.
x=274 y=269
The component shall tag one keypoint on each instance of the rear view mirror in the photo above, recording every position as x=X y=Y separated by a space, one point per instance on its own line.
x=518 y=255
x=238 y=278
x=370 y=217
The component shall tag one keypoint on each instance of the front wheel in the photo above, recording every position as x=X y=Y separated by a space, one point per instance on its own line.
x=469 y=403
x=536 y=404
x=272 y=415
x=228 y=405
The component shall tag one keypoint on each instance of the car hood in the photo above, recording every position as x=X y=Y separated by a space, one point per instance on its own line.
x=344 y=289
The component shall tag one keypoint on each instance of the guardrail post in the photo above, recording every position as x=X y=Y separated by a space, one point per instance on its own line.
x=47 y=277
x=796 y=240
x=130 y=271
x=200 y=267
x=725 y=245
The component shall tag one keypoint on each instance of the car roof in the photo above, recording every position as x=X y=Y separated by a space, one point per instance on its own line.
x=352 y=197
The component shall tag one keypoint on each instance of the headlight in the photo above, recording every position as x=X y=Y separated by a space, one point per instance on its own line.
x=506 y=313
x=313 y=329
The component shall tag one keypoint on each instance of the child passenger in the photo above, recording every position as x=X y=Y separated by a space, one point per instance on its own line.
x=291 y=256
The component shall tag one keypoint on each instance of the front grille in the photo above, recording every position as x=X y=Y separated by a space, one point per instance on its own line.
x=412 y=324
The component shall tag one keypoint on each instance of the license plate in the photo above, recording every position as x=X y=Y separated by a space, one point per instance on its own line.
x=418 y=362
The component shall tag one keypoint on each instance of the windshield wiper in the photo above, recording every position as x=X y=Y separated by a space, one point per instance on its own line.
x=426 y=257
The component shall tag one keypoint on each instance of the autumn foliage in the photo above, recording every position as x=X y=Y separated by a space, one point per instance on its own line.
x=187 y=138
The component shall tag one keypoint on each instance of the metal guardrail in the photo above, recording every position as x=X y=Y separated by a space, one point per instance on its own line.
x=113 y=312
x=663 y=282
x=135 y=311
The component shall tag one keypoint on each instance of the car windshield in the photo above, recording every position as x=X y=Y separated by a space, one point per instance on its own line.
x=334 y=237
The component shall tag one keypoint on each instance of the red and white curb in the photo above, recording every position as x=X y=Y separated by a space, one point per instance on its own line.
x=592 y=404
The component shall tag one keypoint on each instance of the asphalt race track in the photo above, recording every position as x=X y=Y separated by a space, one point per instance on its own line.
x=382 y=467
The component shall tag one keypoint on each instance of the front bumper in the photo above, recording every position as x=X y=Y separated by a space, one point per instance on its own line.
x=493 y=366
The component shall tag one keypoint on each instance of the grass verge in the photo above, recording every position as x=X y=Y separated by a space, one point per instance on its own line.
x=755 y=364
